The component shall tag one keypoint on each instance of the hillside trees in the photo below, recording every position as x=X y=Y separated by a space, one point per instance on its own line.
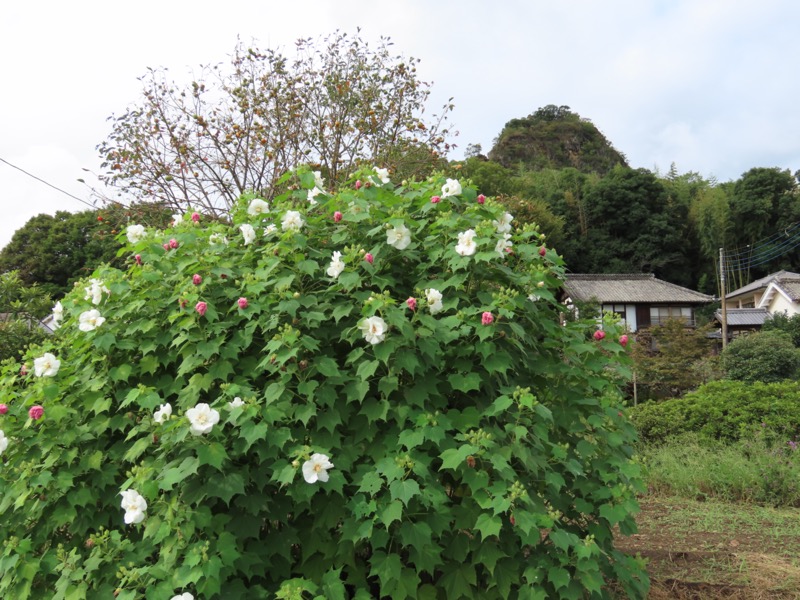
x=237 y=128
x=555 y=137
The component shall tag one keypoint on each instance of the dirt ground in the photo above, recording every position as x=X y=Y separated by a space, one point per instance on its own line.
x=711 y=550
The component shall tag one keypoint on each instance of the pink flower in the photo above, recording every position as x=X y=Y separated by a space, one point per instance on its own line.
x=337 y=216
x=201 y=308
x=23 y=370
x=196 y=279
x=3 y=409
x=358 y=184
x=368 y=257
x=36 y=412
x=435 y=200
x=242 y=303
x=542 y=251
x=173 y=243
x=623 y=339
x=481 y=198
x=411 y=303
x=599 y=335
x=196 y=217
x=166 y=246
x=138 y=259
x=487 y=318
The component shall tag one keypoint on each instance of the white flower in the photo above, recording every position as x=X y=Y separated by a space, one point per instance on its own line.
x=237 y=402
x=373 y=329
x=134 y=505
x=313 y=194
x=503 y=244
x=46 y=365
x=270 y=229
x=257 y=207
x=58 y=315
x=316 y=468
x=504 y=224
x=451 y=188
x=163 y=413
x=177 y=219
x=183 y=596
x=95 y=291
x=248 y=233
x=135 y=233
x=90 y=320
x=3 y=441
x=434 y=298
x=318 y=180
x=292 y=221
x=337 y=265
x=399 y=237
x=534 y=297
x=217 y=238
x=203 y=418
x=383 y=175
x=466 y=245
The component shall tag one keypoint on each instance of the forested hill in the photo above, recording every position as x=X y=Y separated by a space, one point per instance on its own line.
x=554 y=137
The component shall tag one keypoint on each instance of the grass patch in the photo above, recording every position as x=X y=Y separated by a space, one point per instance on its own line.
x=762 y=469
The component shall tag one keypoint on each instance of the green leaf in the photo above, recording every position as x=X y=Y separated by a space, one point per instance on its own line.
x=465 y=383
x=456 y=457
x=172 y=475
x=212 y=454
x=225 y=487
x=391 y=512
x=488 y=525
x=327 y=366
x=371 y=483
x=404 y=490
x=558 y=577
x=367 y=369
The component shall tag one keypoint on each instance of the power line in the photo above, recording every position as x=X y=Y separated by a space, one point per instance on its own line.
x=48 y=184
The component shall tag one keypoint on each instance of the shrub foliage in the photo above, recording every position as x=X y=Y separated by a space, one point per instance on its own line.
x=724 y=410
x=477 y=444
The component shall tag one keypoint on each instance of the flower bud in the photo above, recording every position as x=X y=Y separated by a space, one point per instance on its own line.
x=242 y=303
x=623 y=339
x=337 y=216
x=173 y=243
x=201 y=308
x=196 y=217
x=599 y=334
x=481 y=198
x=368 y=258
x=196 y=279
x=436 y=199
x=542 y=251
x=3 y=409
x=411 y=303
x=36 y=412
x=138 y=259
x=358 y=184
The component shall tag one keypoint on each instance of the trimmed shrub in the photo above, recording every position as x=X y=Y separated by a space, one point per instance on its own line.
x=364 y=395
x=765 y=356
x=723 y=410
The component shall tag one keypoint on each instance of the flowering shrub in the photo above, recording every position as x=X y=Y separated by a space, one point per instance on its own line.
x=300 y=422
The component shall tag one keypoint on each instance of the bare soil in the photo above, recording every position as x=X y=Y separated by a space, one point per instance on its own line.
x=702 y=550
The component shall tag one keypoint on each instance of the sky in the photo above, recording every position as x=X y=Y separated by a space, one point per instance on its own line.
x=709 y=85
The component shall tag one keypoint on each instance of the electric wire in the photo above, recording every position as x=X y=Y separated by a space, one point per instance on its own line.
x=89 y=204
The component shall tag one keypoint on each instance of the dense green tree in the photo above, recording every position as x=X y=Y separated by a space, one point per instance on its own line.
x=631 y=227
x=555 y=137
x=53 y=251
x=786 y=324
x=21 y=307
x=764 y=203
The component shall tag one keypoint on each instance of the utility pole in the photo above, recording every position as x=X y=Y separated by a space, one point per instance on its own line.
x=722 y=296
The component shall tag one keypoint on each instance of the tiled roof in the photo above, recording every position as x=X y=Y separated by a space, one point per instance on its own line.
x=791 y=287
x=630 y=288
x=764 y=282
x=743 y=317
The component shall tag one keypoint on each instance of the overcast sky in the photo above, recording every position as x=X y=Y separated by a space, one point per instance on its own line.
x=710 y=85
